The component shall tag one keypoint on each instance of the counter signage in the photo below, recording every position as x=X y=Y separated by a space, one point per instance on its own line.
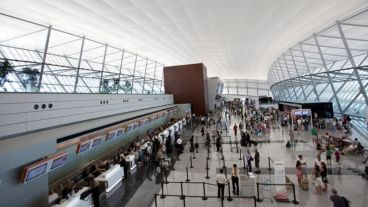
x=59 y=161
x=84 y=146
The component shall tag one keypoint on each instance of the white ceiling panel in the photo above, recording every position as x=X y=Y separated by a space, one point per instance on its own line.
x=233 y=38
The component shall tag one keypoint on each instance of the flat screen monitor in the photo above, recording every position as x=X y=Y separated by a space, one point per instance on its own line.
x=96 y=142
x=36 y=172
x=59 y=161
x=84 y=147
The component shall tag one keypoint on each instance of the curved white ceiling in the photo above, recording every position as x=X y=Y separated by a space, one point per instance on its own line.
x=233 y=38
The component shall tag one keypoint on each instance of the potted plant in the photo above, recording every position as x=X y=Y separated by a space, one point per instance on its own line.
x=30 y=77
x=5 y=69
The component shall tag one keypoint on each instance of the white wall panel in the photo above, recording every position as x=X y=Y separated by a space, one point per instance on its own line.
x=18 y=113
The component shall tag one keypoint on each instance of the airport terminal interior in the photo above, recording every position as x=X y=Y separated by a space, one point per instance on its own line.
x=192 y=103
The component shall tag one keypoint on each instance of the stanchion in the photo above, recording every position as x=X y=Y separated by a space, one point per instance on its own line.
x=166 y=182
x=223 y=162
x=229 y=198
x=208 y=152
x=155 y=200
x=240 y=155
x=207 y=165
x=162 y=190
x=294 y=199
x=222 y=153
x=191 y=162
x=186 y=169
x=258 y=198
x=181 y=190
x=231 y=148
x=204 y=192
x=193 y=153
x=244 y=166
x=269 y=164
x=237 y=148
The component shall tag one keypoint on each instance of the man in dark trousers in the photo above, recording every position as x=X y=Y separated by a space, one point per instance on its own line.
x=221 y=181
x=218 y=143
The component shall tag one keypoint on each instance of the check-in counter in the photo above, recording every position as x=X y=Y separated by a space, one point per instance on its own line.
x=75 y=200
x=132 y=165
x=111 y=179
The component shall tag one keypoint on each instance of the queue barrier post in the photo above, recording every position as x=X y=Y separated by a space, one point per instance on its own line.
x=182 y=197
x=191 y=162
x=155 y=200
x=186 y=169
x=258 y=198
x=193 y=153
x=269 y=164
x=231 y=148
x=294 y=201
x=229 y=198
x=204 y=192
x=162 y=190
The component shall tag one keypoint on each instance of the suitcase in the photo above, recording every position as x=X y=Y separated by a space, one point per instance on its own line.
x=305 y=183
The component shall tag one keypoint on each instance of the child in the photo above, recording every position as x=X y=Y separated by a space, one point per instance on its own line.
x=337 y=157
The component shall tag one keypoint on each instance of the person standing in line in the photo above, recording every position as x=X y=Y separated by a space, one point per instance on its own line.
x=338 y=201
x=292 y=137
x=303 y=164
x=299 y=173
x=328 y=154
x=125 y=165
x=218 y=144
x=221 y=181
x=256 y=161
x=337 y=157
x=249 y=158
x=241 y=127
x=314 y=133
x=235 y=128
x=179 y=144
x=324 y=176
x=235 y=179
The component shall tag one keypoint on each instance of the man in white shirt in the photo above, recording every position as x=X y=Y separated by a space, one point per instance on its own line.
x=318 y=161
x=221 y=181
x=179 y=145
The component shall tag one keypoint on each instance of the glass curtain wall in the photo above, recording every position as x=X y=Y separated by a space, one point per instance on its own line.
x=40 y=58
x=329 y=65
x=245 y=87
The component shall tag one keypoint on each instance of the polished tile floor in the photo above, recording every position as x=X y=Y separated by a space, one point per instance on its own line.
x=347 y=181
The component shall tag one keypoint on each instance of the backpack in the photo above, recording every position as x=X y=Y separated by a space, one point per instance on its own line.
x=346 y=202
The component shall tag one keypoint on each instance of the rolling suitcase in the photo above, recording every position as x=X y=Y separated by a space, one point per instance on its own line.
x=305 y=184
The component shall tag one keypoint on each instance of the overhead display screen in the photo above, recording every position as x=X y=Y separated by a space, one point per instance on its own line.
x=84 y=147
x=96 y=142
x=59 y=161
x=35 y=172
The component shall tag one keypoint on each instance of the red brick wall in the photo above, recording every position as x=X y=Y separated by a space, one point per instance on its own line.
x=188 y=84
